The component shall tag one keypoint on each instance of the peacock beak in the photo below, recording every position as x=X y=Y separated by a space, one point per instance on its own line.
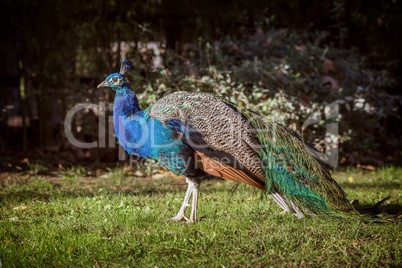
x=103 y=84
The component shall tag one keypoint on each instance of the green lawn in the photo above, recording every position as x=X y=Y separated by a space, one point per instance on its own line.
x=70 y=219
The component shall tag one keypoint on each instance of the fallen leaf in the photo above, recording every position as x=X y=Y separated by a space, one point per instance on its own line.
x=22 y=207
x=368 y=167
x=207 y=198
x=138 y=174
x=158 y=176
x=350 y=179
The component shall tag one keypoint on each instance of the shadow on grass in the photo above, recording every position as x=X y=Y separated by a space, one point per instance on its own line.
x=390 y=185
x=24 y=195
x=20 y=190
x=392 y=209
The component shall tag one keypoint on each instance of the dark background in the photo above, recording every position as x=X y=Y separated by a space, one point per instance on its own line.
x=53 y=53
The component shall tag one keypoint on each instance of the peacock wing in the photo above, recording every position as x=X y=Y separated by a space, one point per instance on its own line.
x=219 y=134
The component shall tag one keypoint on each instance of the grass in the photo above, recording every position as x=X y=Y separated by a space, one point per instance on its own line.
x=70 y=219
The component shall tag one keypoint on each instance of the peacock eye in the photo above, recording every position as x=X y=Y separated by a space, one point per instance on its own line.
x=114 y=79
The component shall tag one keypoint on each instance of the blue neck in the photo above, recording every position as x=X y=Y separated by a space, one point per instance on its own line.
x=125 y=102
x=145 y=136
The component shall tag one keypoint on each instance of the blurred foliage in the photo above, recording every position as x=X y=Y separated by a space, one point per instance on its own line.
x=287 y=78
x=284 y=59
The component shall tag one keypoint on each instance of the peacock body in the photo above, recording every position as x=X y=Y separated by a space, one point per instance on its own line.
x=198 y=134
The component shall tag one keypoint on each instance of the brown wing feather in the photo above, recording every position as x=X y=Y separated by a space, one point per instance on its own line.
x=216 y=168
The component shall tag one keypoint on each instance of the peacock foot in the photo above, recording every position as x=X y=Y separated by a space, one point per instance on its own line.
x=179 y=218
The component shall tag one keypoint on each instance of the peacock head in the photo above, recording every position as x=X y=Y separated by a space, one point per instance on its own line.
x=116 y=81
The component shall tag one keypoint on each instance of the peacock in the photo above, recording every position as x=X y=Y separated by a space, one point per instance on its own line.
x=199 y=134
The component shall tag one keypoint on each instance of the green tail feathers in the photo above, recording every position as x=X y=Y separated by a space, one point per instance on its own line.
x=293 y=170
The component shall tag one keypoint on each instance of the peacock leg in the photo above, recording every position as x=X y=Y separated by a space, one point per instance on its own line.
x=192 y=189
x=181 y=215
x=196 y=192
